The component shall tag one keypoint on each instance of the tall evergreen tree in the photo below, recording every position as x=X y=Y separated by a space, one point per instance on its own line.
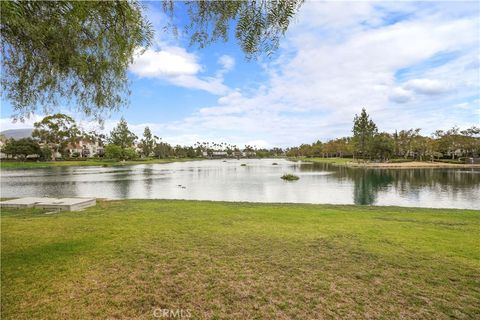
x=122 y=136
x=148 y=142
x=364 y=130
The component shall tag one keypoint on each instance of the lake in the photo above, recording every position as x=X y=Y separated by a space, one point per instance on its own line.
x=258 y=181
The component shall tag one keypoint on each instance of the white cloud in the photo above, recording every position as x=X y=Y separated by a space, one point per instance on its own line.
x=227 y=62
x=427 y=86
x=177 y=66
x=338 y=58
x=331 y=67
x=172 y=61
x=400 y=95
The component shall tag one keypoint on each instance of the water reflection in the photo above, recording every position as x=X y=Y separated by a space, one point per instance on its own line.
x=259 y=181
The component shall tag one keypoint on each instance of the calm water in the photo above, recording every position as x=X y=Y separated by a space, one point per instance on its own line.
x=259 y=181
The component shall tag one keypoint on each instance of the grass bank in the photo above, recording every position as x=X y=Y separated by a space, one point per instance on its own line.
x=124 y=259
x=387 y=165
x=338 y=161
x=80 y=163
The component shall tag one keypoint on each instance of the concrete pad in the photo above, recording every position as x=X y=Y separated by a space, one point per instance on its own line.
x=67 y=204
x=63 y=204
x=27 y=202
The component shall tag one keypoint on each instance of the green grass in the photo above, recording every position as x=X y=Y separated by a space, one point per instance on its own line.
x=338 y=161
x=79 y=163
x=123 y=259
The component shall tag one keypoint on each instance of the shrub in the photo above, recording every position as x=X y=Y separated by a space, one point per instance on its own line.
x=243 y=165
x=274 y=164
x=129 y=154
x=113 y=151
x=46 y=154
x=290 y=177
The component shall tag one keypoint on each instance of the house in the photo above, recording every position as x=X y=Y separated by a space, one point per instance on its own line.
x=219 y=154
x=215 y=154
x=249 y=154
x=85 y=149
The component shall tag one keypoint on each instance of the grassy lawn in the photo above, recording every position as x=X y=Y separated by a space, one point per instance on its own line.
x=123 y=259
x=339 y=161
x=31 y=165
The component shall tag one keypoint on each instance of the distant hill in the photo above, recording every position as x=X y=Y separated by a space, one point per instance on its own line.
x=17 y=133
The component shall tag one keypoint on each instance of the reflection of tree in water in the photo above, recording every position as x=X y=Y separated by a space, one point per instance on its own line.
x=122 y=184
x=407 y=182
x=367 y=184
x=148 y=181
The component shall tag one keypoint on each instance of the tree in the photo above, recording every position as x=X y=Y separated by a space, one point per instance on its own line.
x=113 y=151
x=258 y=25
x=45 y=154
x=22 y=148
x=383 y=146
x=364 y=129
x=405 y=140
x=56 y=131
x=163 y=150
x=148 y=142
x=57 y=51
x=54 y=51
x=122 y=136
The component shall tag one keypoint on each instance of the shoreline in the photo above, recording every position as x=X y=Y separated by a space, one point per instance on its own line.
x=346 y=162
x=414 y=165
x=388 y=165
x=86 y=163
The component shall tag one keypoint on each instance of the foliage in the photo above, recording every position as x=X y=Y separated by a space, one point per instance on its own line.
x=148 y=142
x=21 y=148
x=364 y=130
x=129 y=154
x=46 y=154
x=407 y=144
x=258 y=25
x=122 y=136
x=113 y=151
x=163 y=150
x=290 y=177
x=56 y=131
x=116 y=152
x=57 y=51
x=62 y=51
x=382 y=146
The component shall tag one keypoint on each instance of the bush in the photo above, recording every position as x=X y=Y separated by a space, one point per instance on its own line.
x=46 y=154
x=129 y=154
x=290 y=177
x=75 y=155
x=113 y=151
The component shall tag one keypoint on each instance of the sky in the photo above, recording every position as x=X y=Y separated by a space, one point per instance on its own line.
x=410 y=64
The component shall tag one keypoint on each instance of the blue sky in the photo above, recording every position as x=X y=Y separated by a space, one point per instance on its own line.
x=411 y=64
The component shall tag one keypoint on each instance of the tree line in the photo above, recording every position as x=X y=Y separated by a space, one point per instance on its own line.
x=55 y=136
x=367 y=143
x=58 y=134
